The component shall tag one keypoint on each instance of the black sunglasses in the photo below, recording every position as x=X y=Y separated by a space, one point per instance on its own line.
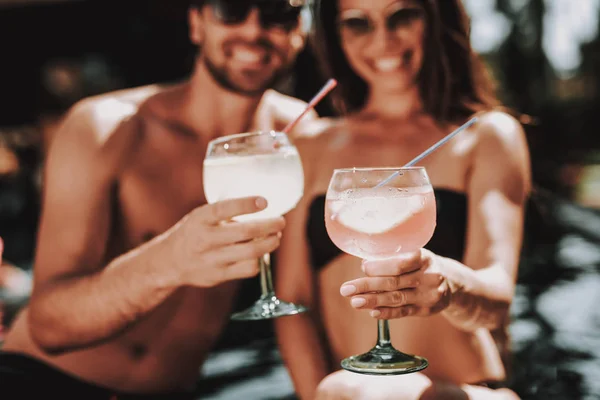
x=359 y=23
x=273 y=13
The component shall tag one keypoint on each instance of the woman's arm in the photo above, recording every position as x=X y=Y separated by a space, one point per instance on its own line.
x=498 y=188
x=299 y=336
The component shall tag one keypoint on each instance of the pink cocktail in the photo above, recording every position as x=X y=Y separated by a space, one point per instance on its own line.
x=382 y=222
x=378 y=213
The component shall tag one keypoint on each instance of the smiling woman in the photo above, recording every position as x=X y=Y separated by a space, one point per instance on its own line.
x=407 y=78
x=450 y=79
x=371 y=56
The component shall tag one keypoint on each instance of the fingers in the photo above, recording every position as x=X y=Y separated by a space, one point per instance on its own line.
x=396 y=312
x=381 y=284
x=393 y=266
x=396 y=298
x=414 y=288
x=241 y=270
x=242 y=251
x=227 y=209
x=243 y=231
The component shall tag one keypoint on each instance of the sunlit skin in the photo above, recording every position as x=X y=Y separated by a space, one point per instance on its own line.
x=442 y=309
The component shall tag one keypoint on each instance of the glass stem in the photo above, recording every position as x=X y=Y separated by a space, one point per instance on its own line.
x=383 y=333
x=266 y=280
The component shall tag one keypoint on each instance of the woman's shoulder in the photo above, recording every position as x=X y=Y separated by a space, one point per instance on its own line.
x=316 y=144
x=323 y=127
x=494 y=131
x=318 y=135
x=498 y=127
x=501 y=147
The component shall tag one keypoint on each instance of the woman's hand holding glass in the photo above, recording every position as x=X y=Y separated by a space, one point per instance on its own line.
x=380 y=214
x=411 y=284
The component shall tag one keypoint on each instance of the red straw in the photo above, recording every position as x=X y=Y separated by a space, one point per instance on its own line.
x=315 y=100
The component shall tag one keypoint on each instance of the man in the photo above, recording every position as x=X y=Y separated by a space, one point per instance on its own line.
x=134 y=279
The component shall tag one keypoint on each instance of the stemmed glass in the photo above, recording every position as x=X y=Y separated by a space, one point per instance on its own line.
x=257 y=164
x=379 y=213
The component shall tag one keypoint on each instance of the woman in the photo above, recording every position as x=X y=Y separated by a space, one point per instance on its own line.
x=407 y=77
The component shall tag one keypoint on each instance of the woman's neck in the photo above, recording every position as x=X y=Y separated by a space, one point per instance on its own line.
x=394 y=106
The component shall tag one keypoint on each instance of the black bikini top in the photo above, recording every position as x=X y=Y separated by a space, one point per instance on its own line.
x=448 y=239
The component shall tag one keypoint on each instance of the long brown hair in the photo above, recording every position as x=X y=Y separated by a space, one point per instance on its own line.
x=453 y=81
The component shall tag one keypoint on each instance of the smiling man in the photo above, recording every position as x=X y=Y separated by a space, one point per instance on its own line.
x=135 y=276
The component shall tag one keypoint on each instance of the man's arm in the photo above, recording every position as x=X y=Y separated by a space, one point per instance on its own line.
x=77 y=300
x=80 y=174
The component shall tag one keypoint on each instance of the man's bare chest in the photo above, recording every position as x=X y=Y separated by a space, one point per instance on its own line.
x=152 y=195
x=158 y=189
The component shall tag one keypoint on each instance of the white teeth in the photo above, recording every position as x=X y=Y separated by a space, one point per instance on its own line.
x=247 y=56
x=388 y=64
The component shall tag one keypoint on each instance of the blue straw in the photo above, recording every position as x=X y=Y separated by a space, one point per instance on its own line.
x=429 y=151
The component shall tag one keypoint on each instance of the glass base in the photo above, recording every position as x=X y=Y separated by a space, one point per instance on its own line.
x=268 y=307
x=384 y=361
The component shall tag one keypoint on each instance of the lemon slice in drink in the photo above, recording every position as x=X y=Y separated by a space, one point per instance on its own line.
x=373 y=215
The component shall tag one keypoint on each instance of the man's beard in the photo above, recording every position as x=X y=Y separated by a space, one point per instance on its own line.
x=223 y=79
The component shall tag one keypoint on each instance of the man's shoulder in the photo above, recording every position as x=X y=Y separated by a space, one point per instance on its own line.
x=104 y=124
x=114 y=106
x=101 y=114
x=136 y=95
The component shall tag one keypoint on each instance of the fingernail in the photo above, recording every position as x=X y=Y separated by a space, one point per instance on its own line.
x=375 y=313
x=348 y=290
x=260 y=203
x=358 y=302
